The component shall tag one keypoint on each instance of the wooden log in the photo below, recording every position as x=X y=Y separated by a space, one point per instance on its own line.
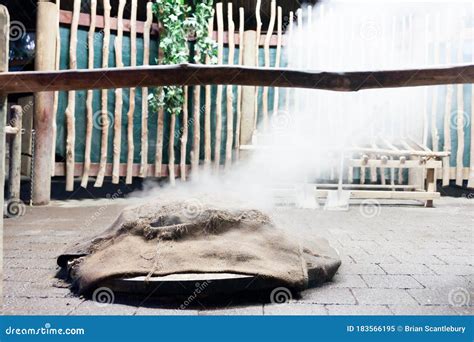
x=4 y=56
x=14 y=174
x=257 y=59
x=434 y=98
x=230 y=91
x=239 y=88
x=104 y=98
x=288 y=90
x=184 y=136
x=276 y=95
x=447 y=120
x=43 y=110
x=470 y=181
x=159 y=141
x=71 y=105
x=90 y=98
x=131 y=110
x=146 y=61
x=271 y=27
x=247 y=121
x=207 y=112
x=56 y=93
x=460 y=119
x=220 y=53
x=198 y=74
x=171 y=166
x=117 y=142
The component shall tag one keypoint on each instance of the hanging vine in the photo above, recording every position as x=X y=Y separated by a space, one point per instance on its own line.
x=180 y=22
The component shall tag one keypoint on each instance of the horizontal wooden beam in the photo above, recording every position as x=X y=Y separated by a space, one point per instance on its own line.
x=94 y=170
x=395 y=195
x=65 y=17
x=198 y=74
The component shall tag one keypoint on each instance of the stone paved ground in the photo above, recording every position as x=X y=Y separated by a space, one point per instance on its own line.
x=401 y=260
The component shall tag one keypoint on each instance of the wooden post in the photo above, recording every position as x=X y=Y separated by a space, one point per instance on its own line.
x=230 y=90
x=447 y=121
x=430 y=184
x=239 y=88
x=4 y=51
x=460 y=120
x=90 y=98
x=288 y=90
x=146 y=61
x=131 y=110
x=247 y=122
x=207 y=112
x=15 y=154
x=268 y=37
x=276 y=95
x=56 y=93
x=171 y=149
x=104 y=99
x=44 y=112
x=220 y=53
x=71 y=102
x=117 y=142
x=257 y=50
x=184 y=136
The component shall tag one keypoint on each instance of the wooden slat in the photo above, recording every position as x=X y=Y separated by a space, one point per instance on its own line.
x=184 y=135
x=230 y=93
x=239 y=88
x=71 y=105
x=56 y=94
x=146 y=61
x=104 y=98
x=220 y=56
x=89 y=99
x=460 y=118
x=131 y=109
x=257 y=53
x=434 y=98
x=207 y=111
x=271 y=26
x=395 y=195
x=276 y=94
x=448 y=111
x=117 y=142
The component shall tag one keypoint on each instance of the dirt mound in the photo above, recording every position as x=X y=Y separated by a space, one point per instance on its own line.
x=161 y=239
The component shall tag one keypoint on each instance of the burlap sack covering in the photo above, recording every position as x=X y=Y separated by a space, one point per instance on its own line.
x=159 y=240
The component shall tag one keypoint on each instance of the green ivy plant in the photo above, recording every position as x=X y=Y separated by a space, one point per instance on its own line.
x=181 y=22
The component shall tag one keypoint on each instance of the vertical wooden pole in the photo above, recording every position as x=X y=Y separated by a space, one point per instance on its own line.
x=131 y=110
x=90 y=98
x=288 y=90
x=268 y=38
x=276 y=95
x=247 y=121
x=15 y=154
x=460 y=119
x=171 y=150
x=4 y=51
x=257 y=50
x=43 y=117
x=117 y=142
x=470 y=181
x=220 y=54
x=146 y=61
x=104 y=99
x=230 y=90
x=184 y=136
x=196 y=128
x=447 y=120
x=239 y=88
x=434 y=99
x=159 y=140
x=71 y=102
x=56 y=93
x=207 y=112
